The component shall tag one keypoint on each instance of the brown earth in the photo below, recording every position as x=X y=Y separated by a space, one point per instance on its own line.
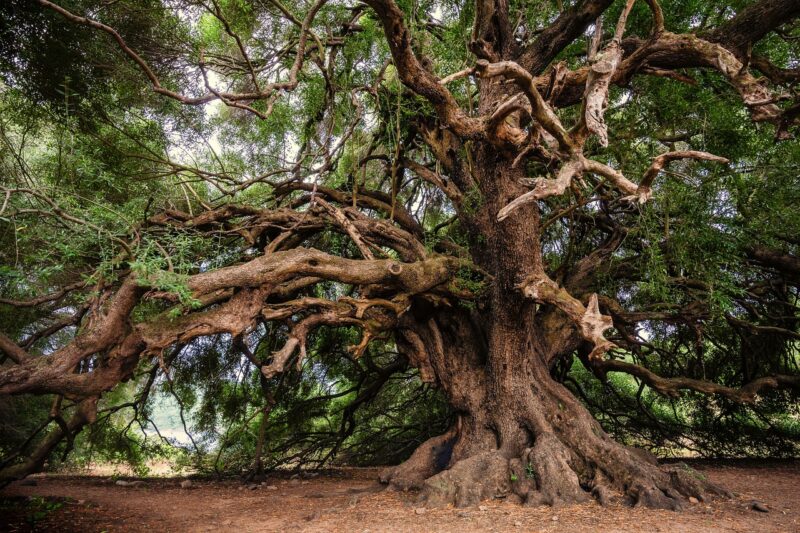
x=351 y=501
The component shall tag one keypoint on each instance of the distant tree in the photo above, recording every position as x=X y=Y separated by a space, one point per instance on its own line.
x=511 y=195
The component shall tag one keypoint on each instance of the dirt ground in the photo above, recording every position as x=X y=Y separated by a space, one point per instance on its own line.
x=352 y=502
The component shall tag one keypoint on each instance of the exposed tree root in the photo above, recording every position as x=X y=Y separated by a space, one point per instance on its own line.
x=468 y=482
x=549 y=473
x=556 y=482
x=429 y=458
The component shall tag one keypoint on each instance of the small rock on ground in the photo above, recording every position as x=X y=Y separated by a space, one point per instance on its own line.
x=758 y=506
x=186 y=483
x=123 y=483
x=420 y=510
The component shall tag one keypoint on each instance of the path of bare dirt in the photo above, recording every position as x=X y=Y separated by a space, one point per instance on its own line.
x=353 y=502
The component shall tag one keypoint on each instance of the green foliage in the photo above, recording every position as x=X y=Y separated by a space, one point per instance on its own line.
x=319 y=416
x=20 y=417
x=695 y=423
x=40 y=507
x=530 y=471
x=80 y=125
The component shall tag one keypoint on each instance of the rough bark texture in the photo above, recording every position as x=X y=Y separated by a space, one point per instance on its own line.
x=524 y=437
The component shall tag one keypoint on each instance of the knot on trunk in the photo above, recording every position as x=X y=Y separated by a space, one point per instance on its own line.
x=395 y=268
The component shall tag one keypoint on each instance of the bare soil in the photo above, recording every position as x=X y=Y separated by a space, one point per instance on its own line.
x=352 y=501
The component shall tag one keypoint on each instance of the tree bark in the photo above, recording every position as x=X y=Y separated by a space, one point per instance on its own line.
x=520 y=435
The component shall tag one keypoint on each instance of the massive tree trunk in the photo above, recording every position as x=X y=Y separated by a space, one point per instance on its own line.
x=520 y=434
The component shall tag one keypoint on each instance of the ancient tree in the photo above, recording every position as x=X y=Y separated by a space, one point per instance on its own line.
x=468 y=185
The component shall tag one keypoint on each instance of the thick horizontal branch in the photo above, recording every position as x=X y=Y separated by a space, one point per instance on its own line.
x=12 y=350
x=671 y=386
x=279 y=267
x=772 y=258
x=111 y=334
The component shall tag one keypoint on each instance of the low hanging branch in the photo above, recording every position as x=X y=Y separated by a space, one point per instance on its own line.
x=113 y=332
x=671 y=387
